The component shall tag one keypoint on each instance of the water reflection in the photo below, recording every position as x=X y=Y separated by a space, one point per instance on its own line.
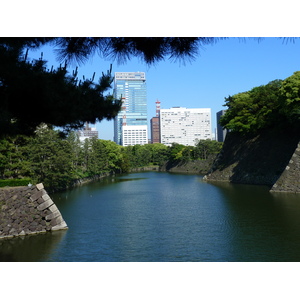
x=168 y=217
x=261 y=226
x=30 y=248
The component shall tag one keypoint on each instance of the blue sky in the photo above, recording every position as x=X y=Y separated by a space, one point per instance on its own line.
x=224 y=68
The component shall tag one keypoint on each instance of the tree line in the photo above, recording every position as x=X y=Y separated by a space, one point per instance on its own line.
x=58 y=160
x=274 y=105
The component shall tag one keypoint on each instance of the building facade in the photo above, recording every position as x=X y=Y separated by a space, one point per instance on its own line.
x=130 y=125
x=155 y=130
x=221 y=133
x=155 y=125
x=87 y=133
x=185 y=126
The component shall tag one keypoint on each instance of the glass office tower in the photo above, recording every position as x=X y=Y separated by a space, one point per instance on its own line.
x=130 y=125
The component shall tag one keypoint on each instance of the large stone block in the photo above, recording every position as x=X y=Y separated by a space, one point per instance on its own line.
x=46 y=197
x=53 y=208
x=40 y=186
x=53 y=215
x=45 y=204
x=62 y=225
x=56 y=221
x=36 y=196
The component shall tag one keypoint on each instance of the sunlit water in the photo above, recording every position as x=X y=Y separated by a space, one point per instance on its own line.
x=164 y=217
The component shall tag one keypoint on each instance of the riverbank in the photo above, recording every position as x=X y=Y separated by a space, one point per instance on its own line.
x=148 y=168
x=28 y=210
x=200 y=166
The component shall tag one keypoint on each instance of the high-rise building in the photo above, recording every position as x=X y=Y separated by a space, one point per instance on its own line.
x=221 y=132
x=87 y=133
x=154 y=125
x=130 y=125
x=185 y=126
x=155 y=132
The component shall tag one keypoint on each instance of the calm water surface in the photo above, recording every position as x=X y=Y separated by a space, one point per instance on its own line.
x=162 y=217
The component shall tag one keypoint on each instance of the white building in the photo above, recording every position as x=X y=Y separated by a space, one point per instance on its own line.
x=185 y=126
x=135 y=135
x=87 y=133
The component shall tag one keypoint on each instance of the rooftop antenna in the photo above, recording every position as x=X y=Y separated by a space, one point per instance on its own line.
x=157 y=107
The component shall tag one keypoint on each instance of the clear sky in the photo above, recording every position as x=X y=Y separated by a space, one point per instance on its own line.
x=222 y=69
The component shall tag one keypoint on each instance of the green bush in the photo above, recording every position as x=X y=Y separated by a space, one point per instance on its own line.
x=14 y=182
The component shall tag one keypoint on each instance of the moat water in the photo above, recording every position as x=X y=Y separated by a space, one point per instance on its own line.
x=163 y=217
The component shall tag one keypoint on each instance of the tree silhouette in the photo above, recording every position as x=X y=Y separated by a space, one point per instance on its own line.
x=31 y=94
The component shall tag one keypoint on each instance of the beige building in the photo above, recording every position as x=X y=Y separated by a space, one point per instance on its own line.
x=185 y=126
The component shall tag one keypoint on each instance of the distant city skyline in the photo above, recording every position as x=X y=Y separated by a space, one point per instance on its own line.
x=225 y=68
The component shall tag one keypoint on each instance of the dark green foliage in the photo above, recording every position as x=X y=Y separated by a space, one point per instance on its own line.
x=149 y=49
x=159 y=154
x=276 y=104
x=14 y=182
x=146 y=155
x=31 y=94
x=14 y=157
x=290 y=100
x=202 y=150
x=205 y=148
x=58 y=161
x=47 y=157
x=50 y=158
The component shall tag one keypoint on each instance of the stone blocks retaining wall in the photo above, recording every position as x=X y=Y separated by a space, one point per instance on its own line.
x=259 y=160
x=189 y=167
x=28 y=210
x=289 y=181
x=141 y=169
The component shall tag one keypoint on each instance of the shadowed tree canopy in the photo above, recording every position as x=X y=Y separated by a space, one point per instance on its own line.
x=31 y=94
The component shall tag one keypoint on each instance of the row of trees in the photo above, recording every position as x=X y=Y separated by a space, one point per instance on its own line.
x=58 y=161
x=276 y=104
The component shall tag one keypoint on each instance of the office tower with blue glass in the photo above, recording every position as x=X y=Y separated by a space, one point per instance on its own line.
x=130 y=125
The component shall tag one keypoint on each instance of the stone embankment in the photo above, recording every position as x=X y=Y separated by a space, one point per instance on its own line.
x=289 y=181
x=189 y=167
x=141 y=169
x=270 y=158
x=28 y=210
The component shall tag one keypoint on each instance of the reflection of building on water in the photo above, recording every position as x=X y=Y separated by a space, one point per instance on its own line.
x=30 y=248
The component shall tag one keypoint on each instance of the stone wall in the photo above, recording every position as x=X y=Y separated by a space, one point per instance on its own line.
x=141 y=169
x=28 y=210
x=200 y=166
x=259 y=160
x=289 y=181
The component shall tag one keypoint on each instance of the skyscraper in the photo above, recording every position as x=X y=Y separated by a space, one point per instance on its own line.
x=185 y=126
x=130 y=125
x=154 y=125
x=221 y=132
